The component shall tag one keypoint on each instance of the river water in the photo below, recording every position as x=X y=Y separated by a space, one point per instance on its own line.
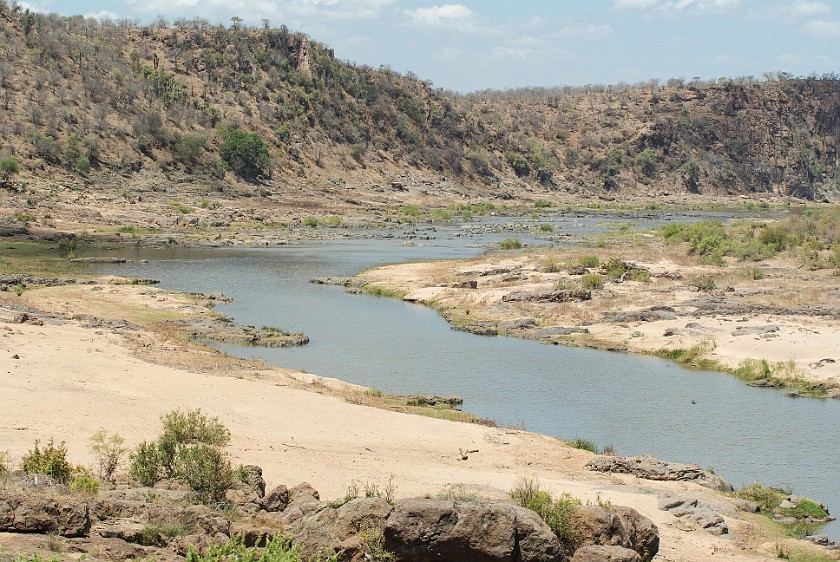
x=637 y=404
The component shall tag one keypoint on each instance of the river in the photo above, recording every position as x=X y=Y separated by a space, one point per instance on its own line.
x=636 y=404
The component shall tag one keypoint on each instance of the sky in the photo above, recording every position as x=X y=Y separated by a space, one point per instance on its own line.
x=471 y=45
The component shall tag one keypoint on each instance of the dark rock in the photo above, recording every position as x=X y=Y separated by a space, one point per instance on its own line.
x=277 y=499
x=578 y=270
x=479 y=329
x=650 y=468
x=620 y=526
x=566 y=295
x=651 y=314
x=254 y=478
x=29 y=513
x=421 y=530
x=599 y=553
x=471 y=284
x=326 y=531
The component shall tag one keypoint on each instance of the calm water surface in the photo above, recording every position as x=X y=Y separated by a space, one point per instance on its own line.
x=638 y=404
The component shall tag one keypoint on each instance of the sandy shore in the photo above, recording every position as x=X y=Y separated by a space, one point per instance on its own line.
x=69 y=378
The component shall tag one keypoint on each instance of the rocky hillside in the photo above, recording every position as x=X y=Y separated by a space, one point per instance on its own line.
x=112 y=104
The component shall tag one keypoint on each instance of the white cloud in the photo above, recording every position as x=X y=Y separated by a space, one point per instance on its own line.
x=253 y=11
x=809 y=9
x=440 y=15
x=634 y=4
x=824 y=29
x=102 y=15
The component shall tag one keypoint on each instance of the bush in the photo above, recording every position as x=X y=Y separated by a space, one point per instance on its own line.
x=589 y=261
x=188 y=148
x=584 y=444
x=519 y=164
x=703 y=283
x=206 y=469
x=245 y=153
x=559 y=514
x=82 y=483
x=8 y=167
x=108 y=451
x=189 y=447
x=767 y=498
x=592 y=281
x=510 y=244
x=145 y=465
x=52 y=461
x=278 y=549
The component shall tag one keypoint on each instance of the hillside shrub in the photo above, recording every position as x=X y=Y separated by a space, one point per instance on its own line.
x=188 y=148
x=245 y=153
x=8 y=167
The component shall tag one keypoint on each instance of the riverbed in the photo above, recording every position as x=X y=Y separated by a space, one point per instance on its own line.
x=636 y=404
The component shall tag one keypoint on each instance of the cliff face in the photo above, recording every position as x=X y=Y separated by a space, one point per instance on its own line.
x=85 y=100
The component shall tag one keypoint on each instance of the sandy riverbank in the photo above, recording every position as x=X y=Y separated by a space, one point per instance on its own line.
x=68 y=378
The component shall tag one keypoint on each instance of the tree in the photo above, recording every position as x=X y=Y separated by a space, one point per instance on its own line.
x=245 y=153
x=8 y=167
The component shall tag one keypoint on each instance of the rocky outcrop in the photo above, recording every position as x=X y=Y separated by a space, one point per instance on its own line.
x=650 y=468
x=132 y=522
x=693 y=512
x=566 y=295
x=421 y=530
x=29 y=513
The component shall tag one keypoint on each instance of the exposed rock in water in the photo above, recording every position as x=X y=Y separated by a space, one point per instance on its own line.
x=650 y=468
x=479 y=329
x=98 y=260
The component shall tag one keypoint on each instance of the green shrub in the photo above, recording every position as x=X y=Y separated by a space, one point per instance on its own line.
x=510 y=244
x=278 y=549
x=805 y=509
x=194 y=427
x=82 y=483
x=546 y=227
x=188 y=148
x=542 y=204
x=584 y=444
x=52 y=461
x=519 y=164
x=108 y=451
x=206 y=469
x=245 y=153
x=82 y=164
x=703 y=283
x=333 y=221
x=589 y=261
x=592 y=281
x=8 y=167
x=767 y=498
x=559 y=514
x=145 y=465
x=189 y=447
x=311 y=222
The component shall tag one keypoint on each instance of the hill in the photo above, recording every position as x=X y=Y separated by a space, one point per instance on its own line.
x=194 y=109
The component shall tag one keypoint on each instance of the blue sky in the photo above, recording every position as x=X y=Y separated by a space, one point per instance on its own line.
x=471 y=45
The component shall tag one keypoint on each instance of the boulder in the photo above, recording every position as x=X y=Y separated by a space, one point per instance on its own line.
x=277 y=499
x=600 y=553
x=303 y=500
x=326 y=530
x=650 y=468
x=37 y=514
x=253 y=477
x=421 y=530
x=618 y=526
